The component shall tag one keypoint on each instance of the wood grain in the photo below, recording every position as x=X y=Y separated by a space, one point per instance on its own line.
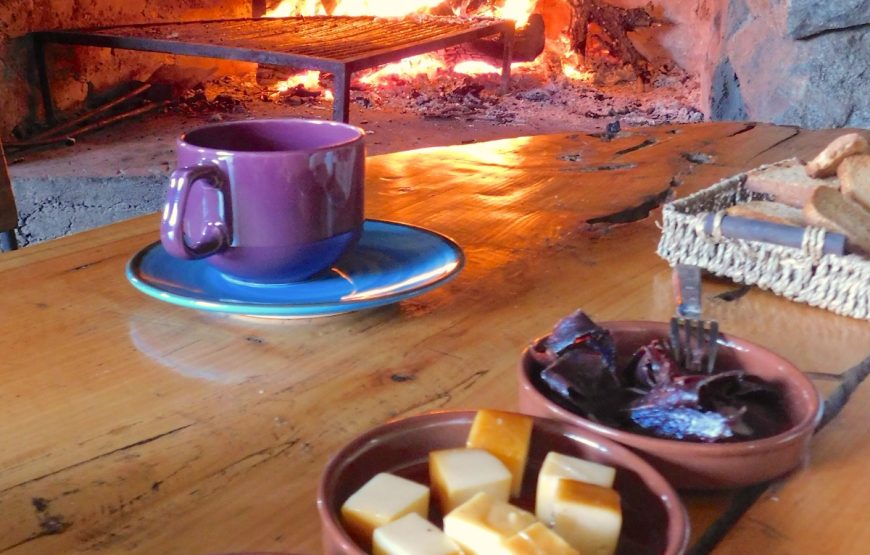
x=133 y=426
x=831 y=495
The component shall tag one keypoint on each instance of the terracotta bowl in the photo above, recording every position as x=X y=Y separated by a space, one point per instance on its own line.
x=654 y=520
x=691 y=465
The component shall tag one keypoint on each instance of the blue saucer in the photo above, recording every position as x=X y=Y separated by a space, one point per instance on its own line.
x=391 y=262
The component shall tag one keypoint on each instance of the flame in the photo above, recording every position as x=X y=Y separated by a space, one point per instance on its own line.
x=571 y=62
x=575 y=74
x=424 y=64
x=517 y=10
x=288 y=8
x=429 y=65
x=475 y=67
x=309 y=79
x=383 y=8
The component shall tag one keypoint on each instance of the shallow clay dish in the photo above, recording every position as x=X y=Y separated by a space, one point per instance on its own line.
x=691 y=465
x=654 y=520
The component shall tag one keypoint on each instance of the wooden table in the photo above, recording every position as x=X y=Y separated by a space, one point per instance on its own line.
x=132 y=426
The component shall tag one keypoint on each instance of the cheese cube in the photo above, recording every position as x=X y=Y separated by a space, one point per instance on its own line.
x=483 y=523
x=456 y=475
x=587 y=516
x=556 y=466
x=537 y=539
x=381 y=500
x=413 y=535
x=506 y=435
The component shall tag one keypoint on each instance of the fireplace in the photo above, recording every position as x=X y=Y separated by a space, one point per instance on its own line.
x=795 y=62
x=339 y=45
x=689 y=60
x=565 y=53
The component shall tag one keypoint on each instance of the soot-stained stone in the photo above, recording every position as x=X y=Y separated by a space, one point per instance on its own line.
x=810 y=17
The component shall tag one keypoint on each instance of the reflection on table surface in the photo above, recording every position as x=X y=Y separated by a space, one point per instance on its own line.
x=130 y=425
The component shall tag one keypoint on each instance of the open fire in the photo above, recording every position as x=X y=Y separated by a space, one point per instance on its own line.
x=516 y=10
x=557 y=49
x=573 y=58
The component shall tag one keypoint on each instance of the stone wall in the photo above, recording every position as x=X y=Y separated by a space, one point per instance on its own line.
x=79 y=72
x=799 y=62
x=684 y=37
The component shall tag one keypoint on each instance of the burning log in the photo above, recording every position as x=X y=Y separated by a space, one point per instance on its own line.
x=615 y=22
x=528 y=42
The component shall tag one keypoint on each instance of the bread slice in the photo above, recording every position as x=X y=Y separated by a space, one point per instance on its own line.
x=854 y=176
x=786 y=182
x=825 y=164
x=768 y=211
x=829 y=209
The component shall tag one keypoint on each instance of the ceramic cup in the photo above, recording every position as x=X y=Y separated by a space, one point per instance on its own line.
x=271 y=201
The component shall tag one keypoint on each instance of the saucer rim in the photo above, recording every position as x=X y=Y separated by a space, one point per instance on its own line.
x=294 y=310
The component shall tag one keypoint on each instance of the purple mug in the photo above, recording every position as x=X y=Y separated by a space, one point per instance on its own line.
x=270 y=201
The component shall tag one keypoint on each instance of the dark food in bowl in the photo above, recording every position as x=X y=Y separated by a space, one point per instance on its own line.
x=649 y=393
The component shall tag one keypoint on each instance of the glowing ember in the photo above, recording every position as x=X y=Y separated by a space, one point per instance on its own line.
x=575 y=74
x=309 y=79
x=427 y=64
x=475 y=67
x=572 y=63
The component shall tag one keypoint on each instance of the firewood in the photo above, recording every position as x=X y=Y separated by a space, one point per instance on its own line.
x=528 y=43
x=616 y=23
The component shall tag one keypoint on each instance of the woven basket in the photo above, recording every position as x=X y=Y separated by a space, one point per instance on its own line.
x=837 y=283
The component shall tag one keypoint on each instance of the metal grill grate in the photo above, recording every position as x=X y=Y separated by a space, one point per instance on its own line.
x=338 y=45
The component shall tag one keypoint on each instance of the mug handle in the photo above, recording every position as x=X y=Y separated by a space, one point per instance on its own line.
x=217 y=233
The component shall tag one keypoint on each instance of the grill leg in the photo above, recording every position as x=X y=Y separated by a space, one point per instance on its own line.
x=506 y=57
x=341 y=92
x=8 y=242
x=258 y=8
x=44 y=84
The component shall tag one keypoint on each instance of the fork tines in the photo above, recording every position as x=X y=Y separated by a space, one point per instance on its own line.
x=694 y=343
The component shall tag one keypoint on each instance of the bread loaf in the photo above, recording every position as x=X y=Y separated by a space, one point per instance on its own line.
x=768 y=211
x=854 y=176
x=829 y=209
x=786 y=182
x=825 y=164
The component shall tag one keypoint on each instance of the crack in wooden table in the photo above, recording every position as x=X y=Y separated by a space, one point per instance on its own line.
x=130 y=425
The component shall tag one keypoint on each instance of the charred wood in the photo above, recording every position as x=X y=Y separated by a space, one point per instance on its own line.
x=528 y=42
x=615 y=23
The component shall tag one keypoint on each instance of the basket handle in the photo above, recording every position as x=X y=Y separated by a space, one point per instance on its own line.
x=812 y=241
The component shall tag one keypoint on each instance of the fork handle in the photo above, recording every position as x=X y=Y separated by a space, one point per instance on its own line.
x=687 y=290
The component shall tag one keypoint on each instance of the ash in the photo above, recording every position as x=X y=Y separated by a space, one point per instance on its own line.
x=671 y=98
x=537 y=95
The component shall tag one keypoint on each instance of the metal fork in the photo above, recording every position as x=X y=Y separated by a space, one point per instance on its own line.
x=694 y=341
